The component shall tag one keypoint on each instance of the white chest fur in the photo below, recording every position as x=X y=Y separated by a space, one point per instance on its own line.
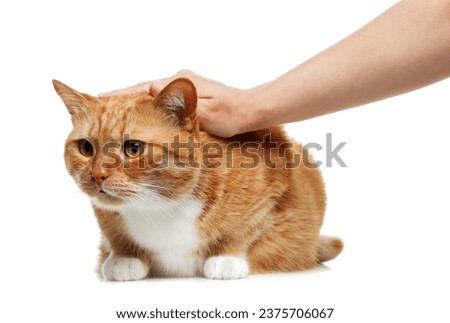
x=167 y=228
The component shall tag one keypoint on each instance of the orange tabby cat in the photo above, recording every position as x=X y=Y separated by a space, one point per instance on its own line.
x=172 y=200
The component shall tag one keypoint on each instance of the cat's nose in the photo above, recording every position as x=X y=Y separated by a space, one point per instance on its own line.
x=99 y=176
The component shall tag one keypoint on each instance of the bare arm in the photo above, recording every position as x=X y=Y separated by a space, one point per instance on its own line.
x=405 y=48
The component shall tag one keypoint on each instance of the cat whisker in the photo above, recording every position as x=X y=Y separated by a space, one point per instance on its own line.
x=167 y=190
x=151 y=198
x=142 y=212
x=170 y=217
x=183 y=206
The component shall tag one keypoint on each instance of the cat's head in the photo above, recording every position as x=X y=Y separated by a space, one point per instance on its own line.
x=122 y=149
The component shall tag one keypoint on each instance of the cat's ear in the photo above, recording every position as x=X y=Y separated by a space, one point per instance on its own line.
x=179 y=101
x=74 y=101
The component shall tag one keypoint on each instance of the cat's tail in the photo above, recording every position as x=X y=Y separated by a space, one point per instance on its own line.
x=329 y=248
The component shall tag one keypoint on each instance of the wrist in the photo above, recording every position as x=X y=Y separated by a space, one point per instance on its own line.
x=256 y=109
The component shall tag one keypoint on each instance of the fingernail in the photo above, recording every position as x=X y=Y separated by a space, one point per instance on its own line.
x=156 y=87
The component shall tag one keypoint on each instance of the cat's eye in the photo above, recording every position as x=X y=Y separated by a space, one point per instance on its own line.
x=133 y=148
x=86 y=148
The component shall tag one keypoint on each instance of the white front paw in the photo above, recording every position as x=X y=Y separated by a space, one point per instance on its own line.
x=122 y=268
x=226 y=267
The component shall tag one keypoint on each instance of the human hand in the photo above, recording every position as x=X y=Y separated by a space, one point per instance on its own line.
x=221 y=110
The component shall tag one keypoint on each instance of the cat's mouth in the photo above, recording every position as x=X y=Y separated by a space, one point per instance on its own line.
x=106 y=198
x=113 y=193
x=106 y=193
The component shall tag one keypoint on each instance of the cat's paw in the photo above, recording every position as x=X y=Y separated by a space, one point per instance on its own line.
x=226 y=267
x=122 y=268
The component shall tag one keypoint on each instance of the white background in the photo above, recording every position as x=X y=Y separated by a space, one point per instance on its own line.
x=389 y=205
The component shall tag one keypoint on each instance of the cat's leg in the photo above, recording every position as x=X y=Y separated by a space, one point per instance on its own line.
x=123 y=268
x=117 y=268
x=226 y=267
x=228 y=259
x=120 y=258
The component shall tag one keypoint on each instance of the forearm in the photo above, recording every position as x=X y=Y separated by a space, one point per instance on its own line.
x=405 y=48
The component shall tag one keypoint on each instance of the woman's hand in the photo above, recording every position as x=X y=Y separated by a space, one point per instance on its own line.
x=221 y=110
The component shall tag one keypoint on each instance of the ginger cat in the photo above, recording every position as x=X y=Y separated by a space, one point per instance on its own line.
x=172 y=200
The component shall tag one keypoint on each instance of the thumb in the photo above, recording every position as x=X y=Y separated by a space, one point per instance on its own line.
x=156 y=87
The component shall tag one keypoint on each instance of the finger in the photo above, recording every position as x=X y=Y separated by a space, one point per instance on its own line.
x=141 y=87
x=156 y=87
